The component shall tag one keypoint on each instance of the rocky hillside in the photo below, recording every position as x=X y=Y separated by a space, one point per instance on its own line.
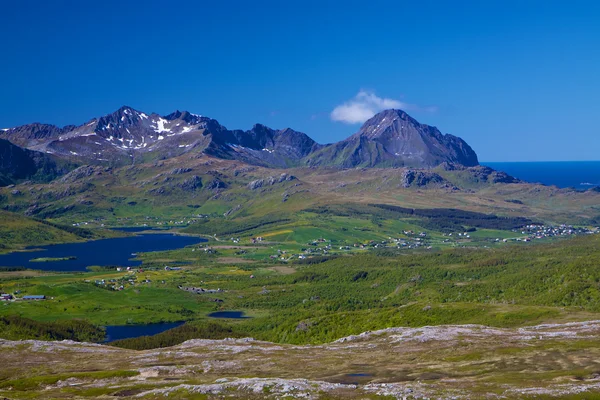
x=393 y=138
x=390 y=363
x=127 y=136
x=17 y=164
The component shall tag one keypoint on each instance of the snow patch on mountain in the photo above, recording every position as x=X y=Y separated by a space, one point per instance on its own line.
x=160 y=126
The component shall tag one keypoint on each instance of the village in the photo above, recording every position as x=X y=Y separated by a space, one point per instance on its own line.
x=421 y=240
x=549 y=231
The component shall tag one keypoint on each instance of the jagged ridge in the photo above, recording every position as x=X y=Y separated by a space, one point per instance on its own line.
x=389 y=139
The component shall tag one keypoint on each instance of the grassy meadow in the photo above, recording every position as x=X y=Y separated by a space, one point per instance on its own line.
x=321 y=299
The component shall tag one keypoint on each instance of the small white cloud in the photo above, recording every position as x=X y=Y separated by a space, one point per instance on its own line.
x=366 y=104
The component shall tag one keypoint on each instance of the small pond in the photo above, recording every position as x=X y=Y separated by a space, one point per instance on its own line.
x=228 y=314
x=118 y=332
x=104 y=252
x=356 y=378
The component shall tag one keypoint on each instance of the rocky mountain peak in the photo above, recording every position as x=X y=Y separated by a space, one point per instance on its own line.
x=390 y=138
x=185 y=116
x=395 y=123
x=123 y=117
x=385 y=121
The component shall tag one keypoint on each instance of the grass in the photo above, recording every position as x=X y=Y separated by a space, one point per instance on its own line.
x=335 y=293
x=36 y=382
x=17 y=231
x=505 y=287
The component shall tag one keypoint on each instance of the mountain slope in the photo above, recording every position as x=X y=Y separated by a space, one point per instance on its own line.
x=17 y=164
x=17 y=231
x=128 y=136
x=392 y=138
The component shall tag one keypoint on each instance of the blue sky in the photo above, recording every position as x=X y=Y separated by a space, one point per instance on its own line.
x=518 y=80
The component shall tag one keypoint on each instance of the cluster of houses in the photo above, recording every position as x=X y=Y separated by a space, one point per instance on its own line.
x=126 y=221
x=130 y=279
x=10 y=297
x=254 y=240
x=116 y=284
x=315 y=249
x=199 y=290
x=535 y=231
x=207 y=249
x=463 y=235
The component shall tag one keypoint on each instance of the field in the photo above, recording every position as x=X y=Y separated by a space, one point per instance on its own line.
x=299 y=309
x=310 y=259
x=331 y=296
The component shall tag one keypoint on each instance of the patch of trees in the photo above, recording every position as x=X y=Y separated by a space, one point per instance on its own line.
x=234 y=227
x=314 y=260
x=438 y=219
x=15 y=327
x=81 y=232
x=310 y=277
x=451 y=219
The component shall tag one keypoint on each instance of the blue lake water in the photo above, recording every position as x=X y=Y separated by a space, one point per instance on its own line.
x=118 y=332
x=581 y=175
x=228 y=314
x=105 y=252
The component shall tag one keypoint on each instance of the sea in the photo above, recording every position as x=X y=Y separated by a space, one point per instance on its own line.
x=581 y=175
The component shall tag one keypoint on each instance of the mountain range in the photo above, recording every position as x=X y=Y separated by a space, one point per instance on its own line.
x=389 y=139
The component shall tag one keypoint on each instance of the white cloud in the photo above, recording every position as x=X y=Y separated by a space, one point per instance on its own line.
x=366 y=104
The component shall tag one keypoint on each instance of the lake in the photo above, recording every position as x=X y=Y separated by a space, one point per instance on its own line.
x=104 y=252
x=118 y=332
x=228 y=314
x=581 y=175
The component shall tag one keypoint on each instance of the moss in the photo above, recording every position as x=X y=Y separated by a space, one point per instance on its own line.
x=32 y=383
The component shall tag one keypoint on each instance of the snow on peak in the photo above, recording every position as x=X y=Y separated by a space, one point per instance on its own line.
x=160 y=125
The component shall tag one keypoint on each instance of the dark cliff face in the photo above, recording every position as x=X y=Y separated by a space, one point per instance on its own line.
x=18 y=164
x=390 y=138
x=31 y=134
x=393 y=138
x=264 y=146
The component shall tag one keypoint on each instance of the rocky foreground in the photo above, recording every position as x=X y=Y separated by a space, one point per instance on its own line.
x=458 y=361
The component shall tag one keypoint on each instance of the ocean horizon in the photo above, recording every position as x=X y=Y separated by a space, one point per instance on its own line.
x=581 y=175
